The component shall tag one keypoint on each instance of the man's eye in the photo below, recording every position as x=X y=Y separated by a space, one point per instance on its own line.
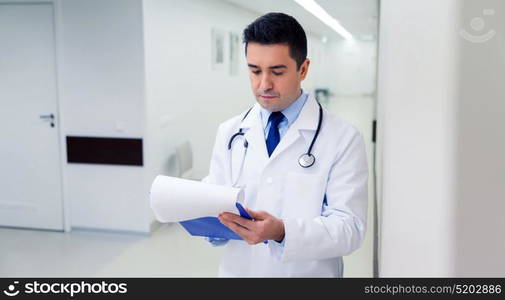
x=256 y=72
x=277 y=73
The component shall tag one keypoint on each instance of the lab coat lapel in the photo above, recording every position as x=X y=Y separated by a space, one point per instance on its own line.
x=305 y=123
x=255 y=136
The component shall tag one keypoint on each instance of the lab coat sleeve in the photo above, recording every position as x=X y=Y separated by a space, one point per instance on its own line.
x=276 y=248
x=341 y=227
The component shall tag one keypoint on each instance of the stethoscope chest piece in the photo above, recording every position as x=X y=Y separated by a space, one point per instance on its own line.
x=306 y=160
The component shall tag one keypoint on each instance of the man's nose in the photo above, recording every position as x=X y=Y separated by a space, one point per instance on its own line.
x=266 y=83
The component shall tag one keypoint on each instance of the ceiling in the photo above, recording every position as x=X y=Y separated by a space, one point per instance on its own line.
x=359 y=17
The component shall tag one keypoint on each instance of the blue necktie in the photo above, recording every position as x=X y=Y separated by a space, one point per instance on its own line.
x=273 y=134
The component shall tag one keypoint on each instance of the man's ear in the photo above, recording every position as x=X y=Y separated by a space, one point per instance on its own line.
x=304 y=69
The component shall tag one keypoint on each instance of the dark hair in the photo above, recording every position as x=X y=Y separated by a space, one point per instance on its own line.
x=278 y=28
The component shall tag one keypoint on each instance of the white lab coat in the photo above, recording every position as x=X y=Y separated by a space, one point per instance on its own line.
x=316 y=235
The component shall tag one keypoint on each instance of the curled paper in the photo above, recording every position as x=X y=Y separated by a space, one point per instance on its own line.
x=175 y=199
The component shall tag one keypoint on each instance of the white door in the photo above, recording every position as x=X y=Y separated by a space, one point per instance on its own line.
x=30 y=180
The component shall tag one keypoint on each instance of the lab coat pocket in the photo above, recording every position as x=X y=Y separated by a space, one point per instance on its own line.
x=303 y=195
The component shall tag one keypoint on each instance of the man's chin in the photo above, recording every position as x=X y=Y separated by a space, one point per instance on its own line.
x=269 y=104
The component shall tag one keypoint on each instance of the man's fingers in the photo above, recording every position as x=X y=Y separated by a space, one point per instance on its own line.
x=237 y=219
x=241 y=231
x=252 y=232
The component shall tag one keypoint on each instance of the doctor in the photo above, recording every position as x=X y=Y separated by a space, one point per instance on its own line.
x=304 y=171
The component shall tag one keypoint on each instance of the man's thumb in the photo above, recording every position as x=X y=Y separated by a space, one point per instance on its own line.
x=257 y=215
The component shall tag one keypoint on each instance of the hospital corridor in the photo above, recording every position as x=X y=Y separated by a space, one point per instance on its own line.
x=385 y=160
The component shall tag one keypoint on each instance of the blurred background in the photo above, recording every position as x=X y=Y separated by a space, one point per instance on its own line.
x=97 y=97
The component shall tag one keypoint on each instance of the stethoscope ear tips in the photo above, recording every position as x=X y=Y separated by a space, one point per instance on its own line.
x=306 y=160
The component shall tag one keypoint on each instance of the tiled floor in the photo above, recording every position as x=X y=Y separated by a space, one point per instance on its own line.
x=169 y=251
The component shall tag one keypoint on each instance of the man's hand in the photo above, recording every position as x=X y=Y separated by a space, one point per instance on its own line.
x=263 y=226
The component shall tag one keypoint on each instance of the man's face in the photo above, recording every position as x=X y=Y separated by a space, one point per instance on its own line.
x=275 y=80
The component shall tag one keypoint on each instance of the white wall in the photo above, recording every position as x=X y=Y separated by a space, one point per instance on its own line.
x=351 y=68
x=316 y=54
x=102 y=94
x=416 y=100
x=440 y=107
x=479 y=230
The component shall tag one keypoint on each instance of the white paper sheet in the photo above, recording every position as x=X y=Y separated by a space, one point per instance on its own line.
x=175 y=199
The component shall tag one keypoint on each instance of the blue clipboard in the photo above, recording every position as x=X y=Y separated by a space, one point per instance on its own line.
x=211 y=227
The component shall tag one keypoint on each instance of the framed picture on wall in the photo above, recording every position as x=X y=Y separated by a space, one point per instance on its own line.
x=234 y=53
x=217 y=49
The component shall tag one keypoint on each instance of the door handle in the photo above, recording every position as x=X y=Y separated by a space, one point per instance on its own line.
x=45 y=117
x=48 y=117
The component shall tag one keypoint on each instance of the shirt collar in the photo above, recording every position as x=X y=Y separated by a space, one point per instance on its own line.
x=290 y=113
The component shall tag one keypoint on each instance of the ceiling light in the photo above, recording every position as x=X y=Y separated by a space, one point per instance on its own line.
x=320 y=13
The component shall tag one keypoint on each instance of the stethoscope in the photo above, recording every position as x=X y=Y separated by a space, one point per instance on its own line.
x=305 y=160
